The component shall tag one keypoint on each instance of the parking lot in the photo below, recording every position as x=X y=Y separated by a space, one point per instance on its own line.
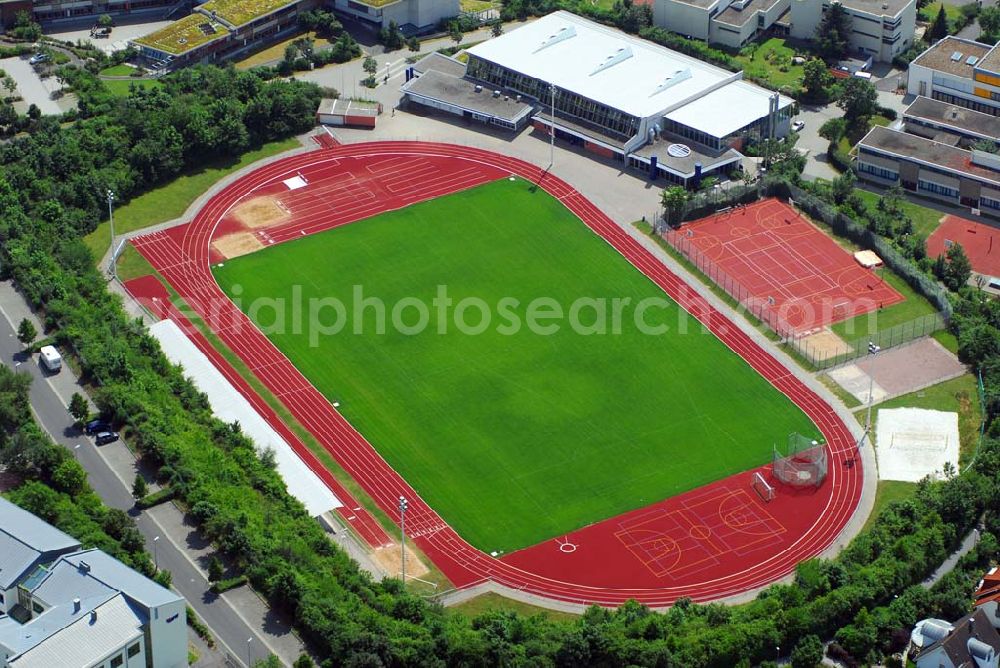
x=117 y=41
x=33 y=89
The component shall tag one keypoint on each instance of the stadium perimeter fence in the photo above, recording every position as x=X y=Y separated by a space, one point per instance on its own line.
x=818 y=356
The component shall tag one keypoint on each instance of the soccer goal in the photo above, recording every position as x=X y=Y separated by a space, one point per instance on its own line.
x=764 y=489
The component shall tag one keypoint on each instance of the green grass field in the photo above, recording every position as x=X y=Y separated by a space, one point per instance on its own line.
x=925 y=220
x=515 y=436
x=122 y=87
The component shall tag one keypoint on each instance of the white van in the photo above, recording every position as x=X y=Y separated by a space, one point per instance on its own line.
x=51 y=359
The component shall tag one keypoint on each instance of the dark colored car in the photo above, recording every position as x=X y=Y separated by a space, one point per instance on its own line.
x=106 y=437
x=97 y=426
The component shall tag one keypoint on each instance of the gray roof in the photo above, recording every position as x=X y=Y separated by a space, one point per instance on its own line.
x=87 y=636
x=113 y=573
x=964 y=121
x=969 y=636
x=462 y=93
x=875 y=7
x=18 y=638
x=939 y=56
x=25 y=541
x=905 y=145
x=991 y=61
x=33 y=531
x=685 y=166
x=739 y=17
x=441 y=63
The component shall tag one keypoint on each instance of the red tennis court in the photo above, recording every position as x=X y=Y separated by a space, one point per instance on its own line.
x=978 y=241
x=774 y=261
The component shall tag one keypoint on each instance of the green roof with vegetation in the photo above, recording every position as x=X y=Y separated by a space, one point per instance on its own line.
x=238 y=12
x=182 y=36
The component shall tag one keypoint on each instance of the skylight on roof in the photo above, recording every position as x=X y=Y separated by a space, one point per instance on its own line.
x=672 y=79
x=971 y=60
x=563 y=33
x=956 y=56
x=618 y=56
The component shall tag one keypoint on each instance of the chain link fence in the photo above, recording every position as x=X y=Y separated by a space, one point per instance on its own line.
x=819 y=352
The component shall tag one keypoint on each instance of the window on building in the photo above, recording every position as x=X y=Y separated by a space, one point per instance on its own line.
x=37 y=607
x=936 y=188
x=877 y=171
x=989 y=203
x=133 y=650
x=117 y=661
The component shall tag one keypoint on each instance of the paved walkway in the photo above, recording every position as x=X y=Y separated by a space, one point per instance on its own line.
x=969 y=542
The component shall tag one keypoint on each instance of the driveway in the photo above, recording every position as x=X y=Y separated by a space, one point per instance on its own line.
x=32 y=88
x=817 y=164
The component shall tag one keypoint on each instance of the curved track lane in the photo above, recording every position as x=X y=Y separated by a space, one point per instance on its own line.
x=183 y=256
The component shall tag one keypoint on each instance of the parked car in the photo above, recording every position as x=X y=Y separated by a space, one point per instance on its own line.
x=106 y=437
x=38 y=58
x=798 y=125
x=97 y=426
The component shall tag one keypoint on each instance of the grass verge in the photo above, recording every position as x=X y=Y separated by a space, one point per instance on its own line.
x=490 y=601
x=887 y=492
x=925 y=220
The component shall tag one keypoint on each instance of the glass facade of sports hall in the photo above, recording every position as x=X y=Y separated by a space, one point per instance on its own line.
x=614 y=122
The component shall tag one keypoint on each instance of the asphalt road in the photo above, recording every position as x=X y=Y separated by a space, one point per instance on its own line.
x=50 y=411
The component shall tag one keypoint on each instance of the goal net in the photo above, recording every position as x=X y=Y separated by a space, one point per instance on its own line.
x=764 y=489
x=803 y=465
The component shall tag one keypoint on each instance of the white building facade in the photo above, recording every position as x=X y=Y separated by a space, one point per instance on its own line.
x=412 y=16
x=960 y=72
x=881 y=29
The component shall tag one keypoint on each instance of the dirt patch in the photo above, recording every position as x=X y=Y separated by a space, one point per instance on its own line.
x=260 y=212
x=389 y=558
x=237 y=244
x=912 y=367
x=822 y=345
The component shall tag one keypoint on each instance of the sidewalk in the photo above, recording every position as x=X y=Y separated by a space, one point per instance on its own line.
x=242 y=624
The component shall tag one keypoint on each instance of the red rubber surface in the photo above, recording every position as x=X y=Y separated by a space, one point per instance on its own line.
x=768 y=252
x=980 y=242
x=733 y=542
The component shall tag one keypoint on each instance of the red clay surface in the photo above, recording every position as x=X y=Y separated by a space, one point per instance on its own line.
x=980 y=242
x=767 y=253
x=715 y=541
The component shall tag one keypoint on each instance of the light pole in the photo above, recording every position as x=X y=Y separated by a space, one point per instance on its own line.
x=403 y=505
x=156 y=561
x=873 y=350
x=111 y=220
x=249 y=652
x=552 y=127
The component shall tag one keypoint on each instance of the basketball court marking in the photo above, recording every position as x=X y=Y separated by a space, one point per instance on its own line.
x=691 y=539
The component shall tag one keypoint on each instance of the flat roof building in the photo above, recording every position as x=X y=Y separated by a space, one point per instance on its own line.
x=732 y=23
x=958 y=71
x=63 y=606
x=615 y=94
x=880 y=29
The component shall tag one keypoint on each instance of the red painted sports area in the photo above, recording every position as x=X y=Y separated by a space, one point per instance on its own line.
x=771 y=258
x=980 y=242
x=715 y=541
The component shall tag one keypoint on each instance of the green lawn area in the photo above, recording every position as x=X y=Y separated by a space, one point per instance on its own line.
x=925 y=220
x=887 y=492
x=490 y=601
x=172 y=199
x=131 y=264
x=768 y=62
x=959 y=395
x=512 y=434
x=952 y=12
x=117 y=71
x=912 y=307
x=121 y=87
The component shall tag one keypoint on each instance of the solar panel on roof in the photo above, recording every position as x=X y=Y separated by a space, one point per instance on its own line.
x=971 y=60
x=956 y=56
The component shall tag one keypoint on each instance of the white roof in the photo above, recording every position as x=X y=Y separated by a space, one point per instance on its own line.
x=230 y=406
x=727 y=109
x=88 y=639
x=603 y=64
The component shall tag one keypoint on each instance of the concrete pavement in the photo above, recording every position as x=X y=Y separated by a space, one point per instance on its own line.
x=241 y=623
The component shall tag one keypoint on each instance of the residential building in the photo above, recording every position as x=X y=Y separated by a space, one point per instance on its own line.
x=414 y=17
x=958 y=71
x=65 y=11
x=933 y=154
x=63 y=606
x=970 y=642
x=882 y=29
x=220 y=29
x=613 y=94
x=732 y=23
x=987 y=596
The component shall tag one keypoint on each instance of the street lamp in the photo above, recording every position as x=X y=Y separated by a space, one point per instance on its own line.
x=552 y=127
x=111 y=220
x=156 y=562
x=403 y=505
x=249 y=650
x=873 y=350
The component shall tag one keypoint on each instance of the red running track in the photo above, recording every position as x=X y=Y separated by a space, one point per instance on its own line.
x=770 y=254
x=183 y=256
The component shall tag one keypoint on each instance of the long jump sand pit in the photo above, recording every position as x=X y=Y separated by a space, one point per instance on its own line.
x=390 y=560
x=912 y=443
x=261 y=211
x=237 y=244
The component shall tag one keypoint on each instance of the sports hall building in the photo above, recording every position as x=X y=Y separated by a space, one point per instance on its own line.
x=613 y=94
